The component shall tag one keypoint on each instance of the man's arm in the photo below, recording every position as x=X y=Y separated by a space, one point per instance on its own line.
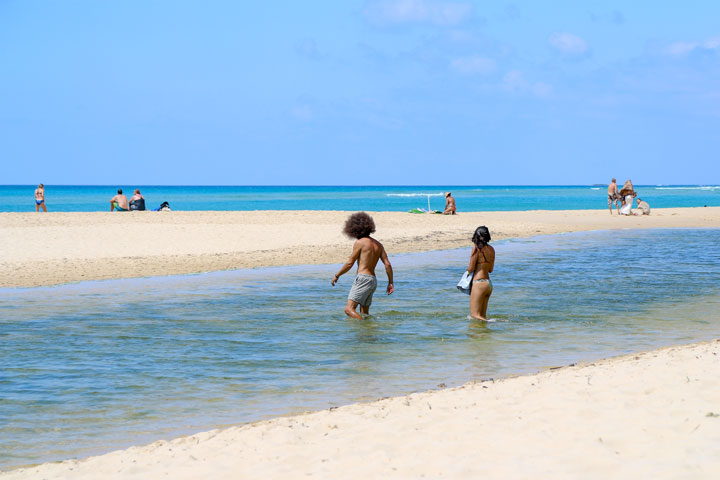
x=389 y=271
x=348 y=265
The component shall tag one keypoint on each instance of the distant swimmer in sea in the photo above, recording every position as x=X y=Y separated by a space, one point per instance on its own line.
x=40 y=198
x=449 y=204
x=613 y=196
x=366 y=252
x=119 y=202
x=482 y=262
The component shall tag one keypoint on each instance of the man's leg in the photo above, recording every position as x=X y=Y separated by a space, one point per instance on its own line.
x=350 y=309
x=365 y=310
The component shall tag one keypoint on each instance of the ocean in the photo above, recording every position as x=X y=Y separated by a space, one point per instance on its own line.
x=96 y=366
x=68 y=198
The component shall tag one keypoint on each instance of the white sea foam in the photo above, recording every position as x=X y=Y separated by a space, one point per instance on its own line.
x=594 y=188
x=414 y=194
x=708 y=187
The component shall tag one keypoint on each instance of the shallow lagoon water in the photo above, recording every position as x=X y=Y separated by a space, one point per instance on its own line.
x=95 y=366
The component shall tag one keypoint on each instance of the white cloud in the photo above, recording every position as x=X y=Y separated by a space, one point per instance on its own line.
x=568 y=43
x=473 y=64
x=440 y=13
x=683 y=48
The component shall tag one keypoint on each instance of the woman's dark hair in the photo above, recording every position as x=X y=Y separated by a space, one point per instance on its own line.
x=481 y=237
x=359 y=225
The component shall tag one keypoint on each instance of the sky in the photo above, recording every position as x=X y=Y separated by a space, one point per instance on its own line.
x=376 y=92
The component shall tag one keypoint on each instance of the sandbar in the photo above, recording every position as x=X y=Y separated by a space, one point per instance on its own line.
x=54 y=248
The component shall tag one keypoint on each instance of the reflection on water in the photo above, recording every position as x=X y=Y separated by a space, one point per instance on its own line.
x=101 y=365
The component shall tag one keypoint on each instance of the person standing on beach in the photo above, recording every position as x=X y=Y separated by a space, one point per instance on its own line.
x=613 y=196
x=40 y=198
x=119 y=202
x=482 y=262
x=450 y=208
x=627 y=194
x=367 y=252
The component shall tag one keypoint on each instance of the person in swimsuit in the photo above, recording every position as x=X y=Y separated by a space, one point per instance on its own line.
x=366 y=252
x=40 y=198
x=450 y=208
x=613 y=196
x=482 y=262
x=119 y=202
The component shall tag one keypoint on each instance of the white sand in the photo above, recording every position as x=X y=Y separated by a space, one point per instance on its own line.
x=653 y=415
x=47 y=249
x=647 y=416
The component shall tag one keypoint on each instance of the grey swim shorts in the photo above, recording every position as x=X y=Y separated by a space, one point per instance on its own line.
x=362 y=289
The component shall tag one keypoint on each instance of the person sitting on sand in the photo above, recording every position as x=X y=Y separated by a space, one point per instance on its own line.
x=482 y=262
x=119 y=202
x=137 y=201
x=643 y=206
x=366 y=252
x=449 y=204
x=613 y=196
x=40 y=198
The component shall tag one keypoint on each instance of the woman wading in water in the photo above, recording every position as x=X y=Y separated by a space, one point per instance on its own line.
x=482 y=261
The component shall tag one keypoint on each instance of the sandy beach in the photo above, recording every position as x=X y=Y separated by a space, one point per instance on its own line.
x=646 y=415
x=55 y=248
x=649 y=414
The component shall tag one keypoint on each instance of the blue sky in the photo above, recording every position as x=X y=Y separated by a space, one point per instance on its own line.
x=359 y=92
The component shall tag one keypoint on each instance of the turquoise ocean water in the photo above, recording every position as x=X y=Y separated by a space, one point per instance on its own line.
x=96 y=198
x=95 y=366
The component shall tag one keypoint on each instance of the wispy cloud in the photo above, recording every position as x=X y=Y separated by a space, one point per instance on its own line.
x=474 y=64
x=684 y=48
x=567 y=43
x=440 y=13
x=515 y=81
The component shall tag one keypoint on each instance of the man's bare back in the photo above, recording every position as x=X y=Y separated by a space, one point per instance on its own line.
x=370 y=251
x=367 y=252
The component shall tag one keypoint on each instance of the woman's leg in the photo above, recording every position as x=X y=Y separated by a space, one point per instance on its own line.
x=486 y=299
x=477 y=298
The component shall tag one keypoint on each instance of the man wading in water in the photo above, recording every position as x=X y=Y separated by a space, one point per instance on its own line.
x=367 y=252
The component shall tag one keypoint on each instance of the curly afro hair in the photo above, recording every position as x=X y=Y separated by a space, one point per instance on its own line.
x=359 y=225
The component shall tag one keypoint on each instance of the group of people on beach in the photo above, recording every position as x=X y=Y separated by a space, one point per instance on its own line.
x=623 y=199
x=368 y=252
x=121 y=203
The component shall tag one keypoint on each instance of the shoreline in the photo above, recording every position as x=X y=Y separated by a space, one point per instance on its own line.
x=43 y=249
x=653 y=412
